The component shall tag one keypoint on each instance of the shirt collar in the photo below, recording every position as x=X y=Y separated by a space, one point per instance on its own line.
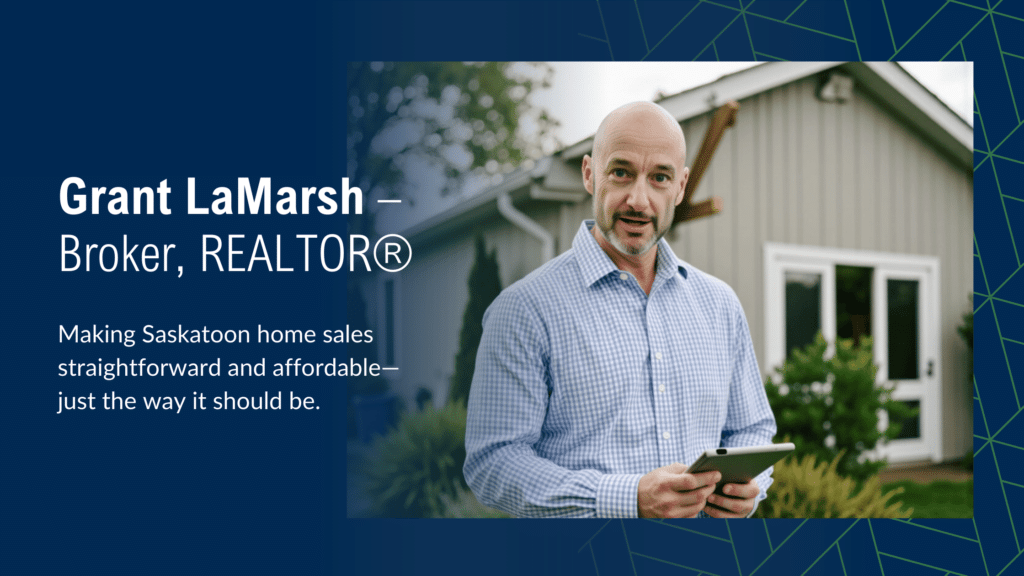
x=595 y=264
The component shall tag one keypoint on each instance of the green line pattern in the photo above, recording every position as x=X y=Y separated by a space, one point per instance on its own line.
x=988 y=33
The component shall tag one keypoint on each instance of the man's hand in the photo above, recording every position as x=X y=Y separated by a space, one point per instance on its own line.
x=669 y=492
x=738 y=501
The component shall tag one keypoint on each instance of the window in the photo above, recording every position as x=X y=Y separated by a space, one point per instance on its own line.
x=892 y=298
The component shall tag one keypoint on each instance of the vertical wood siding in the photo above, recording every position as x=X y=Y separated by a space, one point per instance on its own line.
x=797 y=170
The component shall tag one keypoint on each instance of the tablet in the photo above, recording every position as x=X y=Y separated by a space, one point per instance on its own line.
x=740 y=465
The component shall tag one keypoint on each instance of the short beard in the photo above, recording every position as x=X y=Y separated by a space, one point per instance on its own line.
x=615 y=241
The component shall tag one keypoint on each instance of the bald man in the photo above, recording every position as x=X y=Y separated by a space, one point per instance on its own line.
x=603 y=372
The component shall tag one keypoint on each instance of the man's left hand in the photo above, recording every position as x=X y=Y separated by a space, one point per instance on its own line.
x=738 y=501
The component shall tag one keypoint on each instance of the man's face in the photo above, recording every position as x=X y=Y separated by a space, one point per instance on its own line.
x=637 y=178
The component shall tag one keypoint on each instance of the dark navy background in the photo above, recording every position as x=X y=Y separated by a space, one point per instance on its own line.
x=131 y=94
x=128 y=96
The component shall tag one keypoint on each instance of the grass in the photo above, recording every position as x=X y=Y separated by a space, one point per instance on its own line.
x=938 y=499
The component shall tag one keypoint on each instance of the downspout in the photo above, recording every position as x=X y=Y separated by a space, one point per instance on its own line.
x=523 y=221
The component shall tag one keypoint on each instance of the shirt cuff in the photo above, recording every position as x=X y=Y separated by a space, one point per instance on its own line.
x=616 y=495
x=764 y=481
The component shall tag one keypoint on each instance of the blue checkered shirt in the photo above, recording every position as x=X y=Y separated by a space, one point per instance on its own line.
x=584 y=383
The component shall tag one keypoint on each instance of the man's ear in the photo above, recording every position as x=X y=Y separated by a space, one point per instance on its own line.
x=588 y=173
x=682 y=185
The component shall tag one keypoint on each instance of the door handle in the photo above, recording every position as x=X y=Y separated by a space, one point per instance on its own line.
x=931 y=368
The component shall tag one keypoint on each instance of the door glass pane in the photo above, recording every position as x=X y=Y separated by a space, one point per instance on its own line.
x=803 y=309
x=903 y=332
x=911 y=427
x=853 y=302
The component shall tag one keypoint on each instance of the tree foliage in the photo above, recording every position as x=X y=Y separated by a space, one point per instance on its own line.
x=458 y=117
x=484 y=287
x=829 y=407
x=417 y=463
x=966 y=330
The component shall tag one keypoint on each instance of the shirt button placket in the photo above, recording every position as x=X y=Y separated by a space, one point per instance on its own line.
x=659 y=373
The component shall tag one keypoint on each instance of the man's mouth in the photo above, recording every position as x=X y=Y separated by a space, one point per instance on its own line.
x=634 y=221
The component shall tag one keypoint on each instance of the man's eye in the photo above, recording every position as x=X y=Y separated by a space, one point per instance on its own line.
x=661 y=178
x=619 y=173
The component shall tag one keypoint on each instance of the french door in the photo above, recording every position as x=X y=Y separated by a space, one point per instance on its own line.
x=893 y=298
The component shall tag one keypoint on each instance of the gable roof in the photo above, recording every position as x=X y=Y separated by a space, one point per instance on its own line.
x=888 y=81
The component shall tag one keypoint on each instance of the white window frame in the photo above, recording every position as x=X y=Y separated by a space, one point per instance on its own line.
x=780 y=258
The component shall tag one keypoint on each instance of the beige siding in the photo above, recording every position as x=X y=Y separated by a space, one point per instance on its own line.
x=865 y=155
x=809 y=211
x=832 y=220
x=694 y=244
x=745 y=257
x=843 y=176
x=779 y=182
x=800 y=171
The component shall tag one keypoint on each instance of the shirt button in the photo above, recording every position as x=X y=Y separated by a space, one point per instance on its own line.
x=661 y=388
x=622 y=276
x=665 y=435
x=658 y=355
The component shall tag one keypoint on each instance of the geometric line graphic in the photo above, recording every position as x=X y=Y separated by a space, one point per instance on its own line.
x=990 y=34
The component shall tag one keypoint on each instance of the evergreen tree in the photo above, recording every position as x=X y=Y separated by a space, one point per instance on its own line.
x=484 y=286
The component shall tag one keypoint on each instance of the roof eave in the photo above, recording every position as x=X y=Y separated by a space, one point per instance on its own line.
x=708 y=97
x=887 y=80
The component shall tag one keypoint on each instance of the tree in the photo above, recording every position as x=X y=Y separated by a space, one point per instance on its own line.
x=457 y=118
x=484 y=286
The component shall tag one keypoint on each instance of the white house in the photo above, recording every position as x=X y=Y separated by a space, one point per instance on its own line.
x=848 y=208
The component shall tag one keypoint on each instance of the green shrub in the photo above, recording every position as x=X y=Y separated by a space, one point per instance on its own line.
x=829 y=407
x=417 y=463
x=966 y=329
x=968 y=461
x=484 y=287
x=465 y=505
x=809 y=489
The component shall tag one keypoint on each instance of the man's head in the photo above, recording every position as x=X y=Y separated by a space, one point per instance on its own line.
x=637 y=175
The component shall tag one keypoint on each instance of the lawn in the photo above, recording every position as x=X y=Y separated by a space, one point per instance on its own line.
x=938 y=499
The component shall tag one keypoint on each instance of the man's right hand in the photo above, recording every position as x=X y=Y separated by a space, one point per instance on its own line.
x=669 y=492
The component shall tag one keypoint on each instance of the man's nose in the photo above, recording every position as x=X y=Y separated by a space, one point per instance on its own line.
x=639 y=198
